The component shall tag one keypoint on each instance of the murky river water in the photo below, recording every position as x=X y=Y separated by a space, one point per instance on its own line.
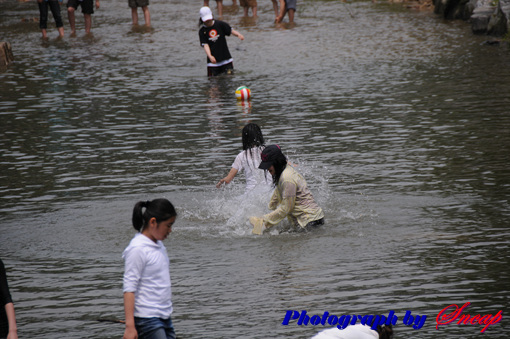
x=398 y=120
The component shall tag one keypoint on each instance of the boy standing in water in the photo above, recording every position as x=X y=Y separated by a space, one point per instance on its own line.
x=212 y=38
x=87 y=8
x=134 y=4
x=286 y=6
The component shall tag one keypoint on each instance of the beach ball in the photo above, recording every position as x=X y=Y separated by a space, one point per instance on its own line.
x=243 y=93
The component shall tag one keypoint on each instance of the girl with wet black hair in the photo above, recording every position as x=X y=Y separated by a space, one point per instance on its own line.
x=249 y=159
x=291 y=198
x=279 y=162
x=147 y=274
x=252 y=136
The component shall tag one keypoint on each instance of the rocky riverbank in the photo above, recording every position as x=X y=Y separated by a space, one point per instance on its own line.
x=491 y=17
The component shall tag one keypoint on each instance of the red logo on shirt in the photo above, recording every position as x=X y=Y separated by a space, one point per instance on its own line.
x=213 y=35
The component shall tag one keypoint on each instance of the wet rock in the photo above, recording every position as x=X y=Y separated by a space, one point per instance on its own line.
x=499 y=23
x=481 y=16
x=486 y=16
x=6 y=56
x=452 y=9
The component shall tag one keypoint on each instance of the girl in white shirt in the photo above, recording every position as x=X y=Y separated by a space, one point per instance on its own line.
x=249 y=159
x=147 y=286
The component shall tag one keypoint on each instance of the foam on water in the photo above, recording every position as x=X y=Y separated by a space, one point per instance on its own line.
x=224 y=212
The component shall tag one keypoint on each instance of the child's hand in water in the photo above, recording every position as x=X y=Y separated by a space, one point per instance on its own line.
x=258 y=225
x=221 y=182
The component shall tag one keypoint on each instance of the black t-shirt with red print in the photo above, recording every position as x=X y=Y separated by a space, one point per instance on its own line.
x=214 y=36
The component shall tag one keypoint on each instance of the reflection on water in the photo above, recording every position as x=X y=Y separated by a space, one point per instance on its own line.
x=398 y=121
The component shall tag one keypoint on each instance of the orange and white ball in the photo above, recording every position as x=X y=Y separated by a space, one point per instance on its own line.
x=243 y=93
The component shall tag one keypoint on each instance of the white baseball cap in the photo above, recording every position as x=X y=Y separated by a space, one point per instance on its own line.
x=205 y=14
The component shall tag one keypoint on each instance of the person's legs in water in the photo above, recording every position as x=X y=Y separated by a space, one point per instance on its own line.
x=214 y=71
x=219 y=3
x=43 y=17
x=146 y=15
x=313 y=225
x=291 y=12
x=55 y=11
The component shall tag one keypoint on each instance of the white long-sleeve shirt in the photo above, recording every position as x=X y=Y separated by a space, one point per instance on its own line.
x=147 y=274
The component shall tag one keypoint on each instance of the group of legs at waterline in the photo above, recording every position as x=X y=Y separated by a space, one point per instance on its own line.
x=280 y=7
x=87 y=8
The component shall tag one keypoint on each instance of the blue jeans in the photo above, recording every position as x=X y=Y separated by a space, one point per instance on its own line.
x=154 y=328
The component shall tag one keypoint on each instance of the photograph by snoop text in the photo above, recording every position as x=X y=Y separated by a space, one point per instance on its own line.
x=452 y=314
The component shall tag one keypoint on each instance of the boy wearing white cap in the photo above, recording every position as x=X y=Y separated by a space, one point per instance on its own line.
x=212 y=38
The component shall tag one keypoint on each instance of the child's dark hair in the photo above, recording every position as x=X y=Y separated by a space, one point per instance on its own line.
x=200 y=22
x=161 y=209
x=279 y=165
x=252 y=136
x=385 y=332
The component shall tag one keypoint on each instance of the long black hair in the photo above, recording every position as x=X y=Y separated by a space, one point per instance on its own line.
x=252 y=137
x=161 y=209
x=385 y=332
x=279 y=164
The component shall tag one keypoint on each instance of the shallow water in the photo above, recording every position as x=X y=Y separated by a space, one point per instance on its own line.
x=398 y=121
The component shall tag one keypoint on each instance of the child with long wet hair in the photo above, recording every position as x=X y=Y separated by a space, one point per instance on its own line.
x=279 y=162
x=249 y=159
x=147 y=286
x=291 y=198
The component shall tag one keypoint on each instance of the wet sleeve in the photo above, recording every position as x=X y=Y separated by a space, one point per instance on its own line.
x=275 y=200
x=238 y=162
x=285 y=206
x=5 y=296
